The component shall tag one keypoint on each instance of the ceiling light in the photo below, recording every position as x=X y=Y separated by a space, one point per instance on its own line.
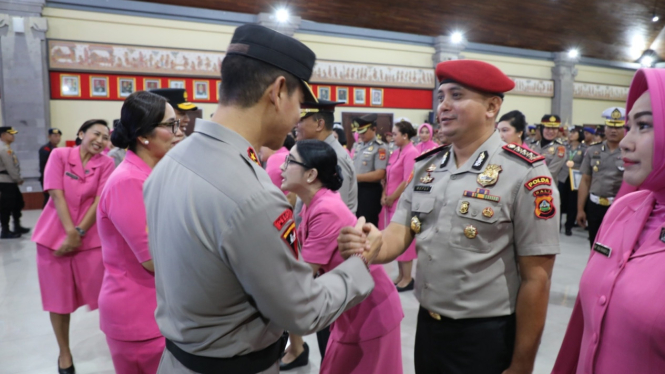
x=457 y=37
x=646 y=61
x=648 y=58
x=573 y=53
x=655 y=18
x=282 y=15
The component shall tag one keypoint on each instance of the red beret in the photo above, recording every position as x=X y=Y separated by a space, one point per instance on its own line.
x=474 y=74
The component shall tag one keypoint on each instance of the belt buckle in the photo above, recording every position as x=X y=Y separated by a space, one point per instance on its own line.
x=436 y=316
x=603 y=201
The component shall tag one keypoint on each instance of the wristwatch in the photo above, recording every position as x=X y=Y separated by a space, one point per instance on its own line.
x=80 y=231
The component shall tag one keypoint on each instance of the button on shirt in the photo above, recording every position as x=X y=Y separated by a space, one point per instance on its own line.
x=224 y=245
x=605 y=168
x=468 y=246
x=370 y=156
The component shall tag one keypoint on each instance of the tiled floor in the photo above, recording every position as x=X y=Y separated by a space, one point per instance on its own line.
x=27 y=344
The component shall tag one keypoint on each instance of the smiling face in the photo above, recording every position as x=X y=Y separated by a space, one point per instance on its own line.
x=424 y=134
x=637 y=145
x=550 y=133
x=463 y=113
x=95 y=139
x=306 y=128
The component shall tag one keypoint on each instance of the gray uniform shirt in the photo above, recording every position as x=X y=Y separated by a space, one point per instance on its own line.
x=9 y=163
x=349 y=189
x=467 y=275
x=555 y=156
x=605 y=169
x=224 y=244
x=576 y=156
x=370 y=156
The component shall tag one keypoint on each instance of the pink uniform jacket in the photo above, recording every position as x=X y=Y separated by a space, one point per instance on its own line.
x=127 y=301
x=64 y=171
x=273 y=167
x=381 y=312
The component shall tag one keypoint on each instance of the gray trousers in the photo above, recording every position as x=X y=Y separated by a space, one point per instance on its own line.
x=171 y=365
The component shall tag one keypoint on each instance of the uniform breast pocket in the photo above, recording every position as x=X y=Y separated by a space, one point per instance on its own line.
x=479 y=226
x=422 y=211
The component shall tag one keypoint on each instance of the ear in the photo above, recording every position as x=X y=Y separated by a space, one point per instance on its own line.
x=312 y=174
x=320 y=125
x=493 y=106
x=81 y=133
x=277 y=90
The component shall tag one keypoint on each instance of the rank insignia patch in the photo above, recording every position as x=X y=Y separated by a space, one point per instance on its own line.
x=544 y=203
x=523 y=153
x=252 y=155
x=480 y=161
x=538 y=181
x=291 y=238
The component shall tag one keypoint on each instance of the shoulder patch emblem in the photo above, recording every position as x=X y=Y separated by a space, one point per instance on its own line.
x=47 y=149
x=382 y=154
x=283 y=219
x=291 y=238
x=252 y=155
x=538 y=181
x=561 y=151
x=432 y=151
x=523 y=153
x=410 y=177
x=545 y=208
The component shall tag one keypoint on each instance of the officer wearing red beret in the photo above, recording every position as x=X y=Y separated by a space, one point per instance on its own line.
x=484 y=214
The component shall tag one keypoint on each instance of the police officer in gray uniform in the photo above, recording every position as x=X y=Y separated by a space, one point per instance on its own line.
x=484 y=216
x=602 y=174
x=222 y=235
x=11 y=199
x=575 y=151
x=370 y=159
x=550 y=146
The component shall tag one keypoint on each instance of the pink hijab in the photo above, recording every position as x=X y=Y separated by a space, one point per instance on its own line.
x=652 y=80
x=430 y=144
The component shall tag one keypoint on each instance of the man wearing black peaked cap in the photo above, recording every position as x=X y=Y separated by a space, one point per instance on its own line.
x=222 y=235
x=177 y=97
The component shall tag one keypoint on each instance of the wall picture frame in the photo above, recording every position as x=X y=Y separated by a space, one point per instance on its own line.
x=99 y=86
x=70 y=85
x=323 y=93
x=343 y=95
x=152 y=84
x=376 y=95
x=201 y=90
x=359 y=96
x=126 y=86
x=176 y=83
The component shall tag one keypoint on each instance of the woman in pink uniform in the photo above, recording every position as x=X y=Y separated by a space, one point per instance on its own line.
x=274 y=164
x=69 y=256
x=127 y=302
x=425 y=134
x=400 y=167
x=366 y=338
x=618 y=323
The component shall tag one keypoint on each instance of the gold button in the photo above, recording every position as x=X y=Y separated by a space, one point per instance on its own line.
x=470 y=232
x=436 y=316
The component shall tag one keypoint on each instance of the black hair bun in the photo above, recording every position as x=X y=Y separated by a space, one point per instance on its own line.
x=120 y=136
x=335 y=183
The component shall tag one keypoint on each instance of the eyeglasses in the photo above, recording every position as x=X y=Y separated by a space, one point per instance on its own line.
x=289 y=160
x=174 y=125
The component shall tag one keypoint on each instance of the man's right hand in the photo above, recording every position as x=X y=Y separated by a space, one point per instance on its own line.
x=352 y=240
x=581 y=218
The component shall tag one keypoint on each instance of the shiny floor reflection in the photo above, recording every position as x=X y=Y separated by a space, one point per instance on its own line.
x=27 y=343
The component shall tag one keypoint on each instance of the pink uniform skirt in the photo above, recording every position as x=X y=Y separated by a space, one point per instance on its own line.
x=140 y=357
x=71 y=281
x=380 y=355
x=384 y=220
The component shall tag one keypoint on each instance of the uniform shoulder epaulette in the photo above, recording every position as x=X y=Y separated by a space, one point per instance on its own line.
x=558 y=140
x=431 y=152
x=379 y=142
x=523 y=153
x=595 y=143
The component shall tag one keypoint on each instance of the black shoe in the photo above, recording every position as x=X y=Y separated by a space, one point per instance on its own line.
x=21 y=230
x=569 y=232
x=408 y=287
x=69 y=370
x=301 y=360
x=6 y=234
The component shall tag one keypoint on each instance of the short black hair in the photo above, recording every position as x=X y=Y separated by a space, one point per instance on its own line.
x=406 y=128
x=327 y=117
x=88 y=124
x=289 y=141
x=322 y=157
x=140 y=114
x=244 y=80
x=517 y=120
x=341 y=135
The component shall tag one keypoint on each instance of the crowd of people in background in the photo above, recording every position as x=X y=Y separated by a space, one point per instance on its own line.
x=460 y=195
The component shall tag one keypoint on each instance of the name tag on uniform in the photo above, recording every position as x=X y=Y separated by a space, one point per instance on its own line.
x=71 y=175
x=602 y=249
x=422 y=188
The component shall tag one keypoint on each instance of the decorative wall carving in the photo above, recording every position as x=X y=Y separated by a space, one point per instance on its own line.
x=600 y=92
x=372 y=75
x=533 y=87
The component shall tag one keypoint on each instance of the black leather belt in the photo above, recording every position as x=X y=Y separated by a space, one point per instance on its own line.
x=250 y=363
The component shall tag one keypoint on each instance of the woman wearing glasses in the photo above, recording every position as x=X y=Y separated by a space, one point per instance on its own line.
x=366 y=338
x=148 y=129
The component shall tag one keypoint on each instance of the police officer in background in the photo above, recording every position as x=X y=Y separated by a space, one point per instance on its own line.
x=588 y=134
x=227 y=274
x=370 y=159
x=575 y=151
x=602 y=173
x=484 y=216
x=11 y=199
x=54 y=136
x=550 y=146
x=389 y=142
x=177 y=97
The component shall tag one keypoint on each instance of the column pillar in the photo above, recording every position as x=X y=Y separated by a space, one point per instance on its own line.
x=563 y=74
x=287 y=28
x=445 y=50
x=24 y=82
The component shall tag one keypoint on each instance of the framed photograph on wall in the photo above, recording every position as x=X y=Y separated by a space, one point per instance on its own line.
x=323 y=93
x=99 y=86
x=176 y=83
x=70 y=85
x=343 y=94
x=152 y=84
x=219 y=86
x=359 y=96
x=126 y=86
x=377 y=96
x=201 y=90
